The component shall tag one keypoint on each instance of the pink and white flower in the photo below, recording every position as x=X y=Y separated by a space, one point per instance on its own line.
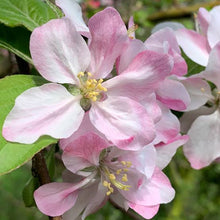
x=127 y=178
x=61 y=56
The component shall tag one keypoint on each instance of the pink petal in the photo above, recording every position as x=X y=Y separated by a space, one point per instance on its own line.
x=109 y=36
x=46 y=110
x=150 y=192
x=85 y=127
x=83 y=152
x=133 y=48
x=203 y=20
x=147 y=212
x=165 y=152
x=203 y=145
x=199 y=91
x=214 y=27
x=173 y=94
x=73 y=11
x=141 y=77
x=211 y=72
x=59 y=55
x=54 y=199
x=189 y=117
x=168 y=127
x=123 y=121
x=194 y=45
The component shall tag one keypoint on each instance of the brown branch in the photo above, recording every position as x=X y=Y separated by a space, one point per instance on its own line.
x=39 y=170
x=177 y=12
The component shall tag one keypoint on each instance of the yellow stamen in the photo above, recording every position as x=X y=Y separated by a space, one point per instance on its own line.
x=123 y=162
x=118 y=171
x=105 y=183
x=124 y=178
x=112 y=176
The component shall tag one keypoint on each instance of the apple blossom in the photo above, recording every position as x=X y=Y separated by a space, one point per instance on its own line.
x=128 y=178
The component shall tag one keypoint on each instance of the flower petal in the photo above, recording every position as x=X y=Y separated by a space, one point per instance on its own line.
x=59 y=52
x=203 y=20
x=141 y=77
x=213 y=33
x=194 y=45
x=147 y=212
x=211 y=72
x=165 y=151
x=83 y=152
x=54 y=199
x=123 y=121
x=46 y=110
x=73 y=11
x=173 y=94
x=203 y=145
x=109 y=36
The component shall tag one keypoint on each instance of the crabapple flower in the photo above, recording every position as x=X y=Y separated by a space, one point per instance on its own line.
x=64 y=57
x=128 y=178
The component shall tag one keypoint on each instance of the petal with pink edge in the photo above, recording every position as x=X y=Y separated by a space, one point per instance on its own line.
x=203 y=20
x=203 y=145
x=85 y=127
x=46 y=110
x=83 y=152
x=109 y=36
x=54 y=199
x=213 y=33
x=199 y=91
x=165 y=151
x=211 y=72
x=123 y=121
x=147 y=212
x=194 y=45
x=150 y=192
x=168 y=127
x=173 y=94
x=141 y=77
x=73 y=11
x=59 y=52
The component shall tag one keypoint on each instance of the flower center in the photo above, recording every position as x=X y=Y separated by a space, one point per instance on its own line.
x=117 y=178
x=90 y=88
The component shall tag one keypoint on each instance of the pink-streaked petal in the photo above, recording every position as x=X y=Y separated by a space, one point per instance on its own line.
x=141 y=77
x=173 y=94
x=194 y=45
x=203 y=20
x=156 y=41
x=165 y=151
x=54 y=199
x=150 y=192
x=98 y=201
x=143 y=160
x=168 y=127
x=59 y=52
x=129 y=53
x=85 y=127
x=189 y=117
x=213 y=33
x=85 y=197
x=147 y=212
x=123 y=121
x=211 y=72
x=203 y=145
x=83 y=152
x=73 y=11
x=199 y=91
x=46 y=110
x=109 y=36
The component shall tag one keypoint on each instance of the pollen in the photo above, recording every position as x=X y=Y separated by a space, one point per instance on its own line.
x=90 y=88
x=112 y=176
x=124 y=178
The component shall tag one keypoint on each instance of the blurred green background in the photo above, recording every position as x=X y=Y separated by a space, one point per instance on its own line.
x=197 y=191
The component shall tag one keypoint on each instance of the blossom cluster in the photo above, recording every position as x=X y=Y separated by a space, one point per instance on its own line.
x=109 y=100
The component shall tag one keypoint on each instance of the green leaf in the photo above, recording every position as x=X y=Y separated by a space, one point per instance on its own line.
x=16 y=40
x=13 y=155
x=29 y=13
x=28 y=191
